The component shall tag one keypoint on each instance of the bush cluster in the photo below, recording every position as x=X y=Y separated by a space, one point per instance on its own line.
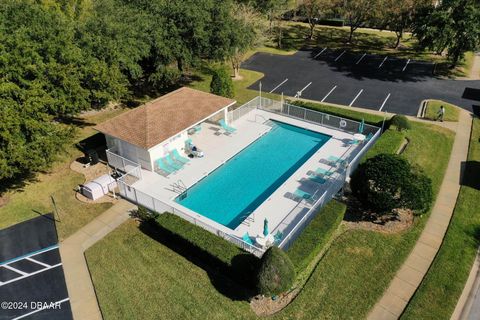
x=400 y=122
x=222 y=83
x=276 y=273
x=387 y=181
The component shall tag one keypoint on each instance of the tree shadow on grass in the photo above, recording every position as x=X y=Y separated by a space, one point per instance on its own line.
x=225 y=278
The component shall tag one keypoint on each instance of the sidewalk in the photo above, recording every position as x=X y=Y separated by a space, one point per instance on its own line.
x=413 y=270
x=83 y=299
x=468 y=305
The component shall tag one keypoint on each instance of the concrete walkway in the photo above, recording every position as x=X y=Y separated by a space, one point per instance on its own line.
x=468 y=305
x=475 y=72
x=410 y=275
x=83 y=299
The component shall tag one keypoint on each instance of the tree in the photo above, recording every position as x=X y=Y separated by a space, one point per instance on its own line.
x=358 y=12
x=387 y=181
x=453 y=25
x=274 y=9
x=276 y=273
x=249 y=29
x=222 y=84
x=312 y=10
x=398 y=15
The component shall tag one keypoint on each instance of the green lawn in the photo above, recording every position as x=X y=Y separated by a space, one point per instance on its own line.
x=451 y=111
x=439 y=292
x=128 y=266
x=59 y=182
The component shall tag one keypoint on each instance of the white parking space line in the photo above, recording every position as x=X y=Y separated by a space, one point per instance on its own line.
x=320 y=53
x=38 y=262
x=299 y=93
x=384 y=102
x=279 y=85
x=340 y=55
x=329 y=92
x=30 y=274
x=381 y=64
x=56 y=303
x=31 y=254
x=15 y=270
x=354 y=99
x=406 y=64
x=361 y=58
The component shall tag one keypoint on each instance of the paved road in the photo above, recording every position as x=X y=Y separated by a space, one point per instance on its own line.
x=360 y=80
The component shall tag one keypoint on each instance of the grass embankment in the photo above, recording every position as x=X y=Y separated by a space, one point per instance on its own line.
x=438 y=294
x=128 y=266
x=433 y=106
x=315 y=237
x=34 y=198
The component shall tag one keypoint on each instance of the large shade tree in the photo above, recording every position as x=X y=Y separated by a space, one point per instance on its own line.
x=453 y=25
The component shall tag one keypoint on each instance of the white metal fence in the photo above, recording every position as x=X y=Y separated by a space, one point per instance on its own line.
x=349 y=161
x=154 y=204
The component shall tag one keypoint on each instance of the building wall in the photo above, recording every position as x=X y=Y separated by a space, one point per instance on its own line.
x=130 y=151
x=162 y=149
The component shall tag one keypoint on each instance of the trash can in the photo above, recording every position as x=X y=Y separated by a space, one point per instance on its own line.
x=92 y=157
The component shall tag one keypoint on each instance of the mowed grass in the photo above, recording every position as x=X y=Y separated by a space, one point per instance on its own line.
x=433 y=106
x=127 y=266
x=136 y=277
x=60 y=181
x=438 y=294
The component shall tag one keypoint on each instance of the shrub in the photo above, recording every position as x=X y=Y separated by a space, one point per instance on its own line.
x=276 y=273
x=222 y=84
x=388 y=181
x=144 y=214
x=400 y=122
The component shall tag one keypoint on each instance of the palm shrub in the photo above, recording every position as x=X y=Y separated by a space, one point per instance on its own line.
x=276 y=273
x=222 y=84
x=400 y=122
x=388 y=181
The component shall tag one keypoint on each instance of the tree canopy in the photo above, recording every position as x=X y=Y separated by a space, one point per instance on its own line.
x=58 y=59
x=453 y=25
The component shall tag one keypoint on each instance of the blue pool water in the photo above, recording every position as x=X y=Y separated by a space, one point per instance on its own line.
x=230 y=193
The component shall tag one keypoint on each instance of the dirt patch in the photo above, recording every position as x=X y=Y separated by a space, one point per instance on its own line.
x=266 y=306
x=357 y=217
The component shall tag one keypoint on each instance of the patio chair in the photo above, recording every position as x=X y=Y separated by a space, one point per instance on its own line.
x=172 y=163
x=353 y=142
x=278 y=237
x=317 y=179
x=302 y=194
x=226 y=127
x=176 y=156
x=246 y=237
x=163 y=166
x=369 y=136
x=323 y=172
x=197 y=128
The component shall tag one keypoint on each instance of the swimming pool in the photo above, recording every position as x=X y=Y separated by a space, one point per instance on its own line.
x=235 y=189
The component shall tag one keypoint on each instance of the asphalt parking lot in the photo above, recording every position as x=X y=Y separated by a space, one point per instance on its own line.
x=32 y=283
x=363 y=80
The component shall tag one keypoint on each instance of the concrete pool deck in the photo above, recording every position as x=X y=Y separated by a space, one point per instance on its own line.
x=278 y=208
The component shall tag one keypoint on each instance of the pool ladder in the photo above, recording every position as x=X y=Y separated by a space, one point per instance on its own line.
x=179 y=187
x=248 y=219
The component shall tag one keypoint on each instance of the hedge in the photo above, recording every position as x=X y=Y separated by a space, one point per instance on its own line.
x=220 y=254
x=316 y=235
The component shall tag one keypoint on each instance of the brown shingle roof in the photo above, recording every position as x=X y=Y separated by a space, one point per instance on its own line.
x=157 y=120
